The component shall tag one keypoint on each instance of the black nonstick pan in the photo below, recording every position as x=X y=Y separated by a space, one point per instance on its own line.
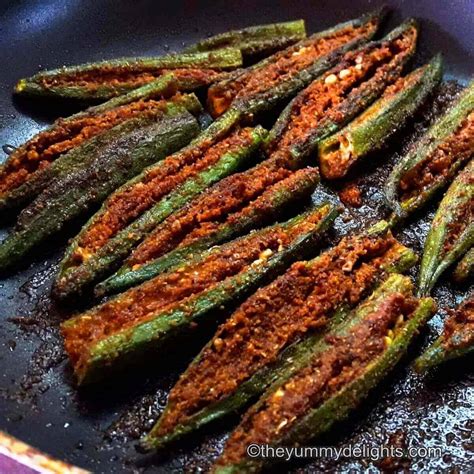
x=97 y=429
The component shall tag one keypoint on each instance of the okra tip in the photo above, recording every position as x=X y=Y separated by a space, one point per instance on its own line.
x=432 y=357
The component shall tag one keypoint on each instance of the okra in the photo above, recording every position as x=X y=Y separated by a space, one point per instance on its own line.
x=44 y=158
x=371 y=130
x=109 y=160
x=433 y=161
x=277 y=78
x=465 y=268
x=341 y=93
x=452 y=230
x=456 y=340
x=256 y=344
x=254 y=41
x=106 y=79
x=335 y=380
x=230 y=208
x=145 y=317
x=136 y=208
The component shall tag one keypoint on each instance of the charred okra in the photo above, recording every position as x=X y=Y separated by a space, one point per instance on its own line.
x=251 y=348
x=279 y=77
x=335 y=380
x=147 y=316
x=435 y=159
x=334 y=99
x=232 y=207
x=254 y=41
x=370 y=130
x=44 y=158
x=452 y=230
x=106 y=79
x=107 y=161
x=456 y=340
x=138 y=206
x=465 y=268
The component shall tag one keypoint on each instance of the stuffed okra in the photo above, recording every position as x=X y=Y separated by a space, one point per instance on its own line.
x=370 y=130
x=147 y=316
x=334 y=99
x=105 y=79
x=231 y=207
x=107 y=161
x=250 y=348
x=456 y=340
x=349 y=88
x=465 y=268
x=452 y=230
x=43 y=158
x=279 y=77
x=334 y=380
x=435 y=159
x=254 y=41
x=137 y=207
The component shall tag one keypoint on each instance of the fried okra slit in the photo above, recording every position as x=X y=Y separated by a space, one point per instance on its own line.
x=434 y=160
x=106 y=79
x=456 y=340
x=341 y=93
x=231 y=207
x=451 y=233
x=288 y=71
x=298 y=303
x=145 y=316
x=370 y=130
x=335 y=379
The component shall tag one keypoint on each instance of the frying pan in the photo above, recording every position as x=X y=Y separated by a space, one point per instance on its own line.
x=96 y=429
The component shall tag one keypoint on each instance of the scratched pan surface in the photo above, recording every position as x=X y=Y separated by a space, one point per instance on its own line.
x=97 y=430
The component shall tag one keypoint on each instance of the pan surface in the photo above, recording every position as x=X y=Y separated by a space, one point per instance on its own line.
x=96 y=430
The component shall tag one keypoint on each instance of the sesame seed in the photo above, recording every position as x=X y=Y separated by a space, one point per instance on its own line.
x=331 y=79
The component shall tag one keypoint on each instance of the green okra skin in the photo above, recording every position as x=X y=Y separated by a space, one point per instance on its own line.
x=255 y=40
x=320 y=418
x=102 y=80
x=370 y=130
x=112 y=158
x=65 y=162
x=436 y=259
x=290 y=359
x=400 y=260
x=465 y=268
x=435 y=136
x=278 y=198
x=74 y=279
x=357 y=101
x=157 y=329
x=457 y=343
x=437 y=354
x=267 y=98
